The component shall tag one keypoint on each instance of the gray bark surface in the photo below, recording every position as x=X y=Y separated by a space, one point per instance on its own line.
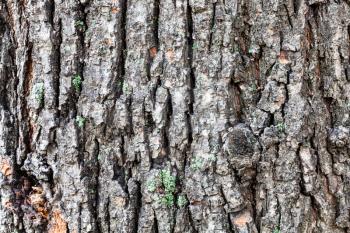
x=175 y=116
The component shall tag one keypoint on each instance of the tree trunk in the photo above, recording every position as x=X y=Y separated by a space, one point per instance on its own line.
x=179 y=116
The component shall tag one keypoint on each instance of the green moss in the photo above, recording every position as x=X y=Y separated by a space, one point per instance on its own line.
x=120 y=84
x=151 y=185
x=126 y=88
x=253 y=87
x=166 y=184
x=280 y=127
x=168 y=181
x=277 y=230
x=197 y=163
x=77 y=82
x=212 y=158
x=167 y=199
x=80 y=121
x=80 y=25
x=40 y=93
x=182 y=201
x=195 y=46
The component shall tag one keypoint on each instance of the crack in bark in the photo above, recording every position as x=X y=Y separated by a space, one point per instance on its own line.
x=288 y=16
x=156 y=11
x=26 y=127
x=123 y=51
x=192 y=81
x=96 y=199
x=138 y=197
x=212 y=25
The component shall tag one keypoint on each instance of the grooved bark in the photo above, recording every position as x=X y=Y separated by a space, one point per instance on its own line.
x=175 y=116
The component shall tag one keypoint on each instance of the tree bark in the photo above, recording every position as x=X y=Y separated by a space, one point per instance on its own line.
x=179 y=116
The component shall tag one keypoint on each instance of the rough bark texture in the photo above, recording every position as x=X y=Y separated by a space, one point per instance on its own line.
x=178 y=116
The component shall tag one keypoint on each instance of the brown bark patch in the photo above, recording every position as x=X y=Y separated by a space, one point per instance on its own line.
x=170 y=55
x=108 y=41
x=37 y=200
x=283 y=58
x=57 y=225
x=7 y=204
x=5 y=167
x=242 y=219
x=115 y=10
x=196 y=202
x=119 y=201
x=153 y=52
